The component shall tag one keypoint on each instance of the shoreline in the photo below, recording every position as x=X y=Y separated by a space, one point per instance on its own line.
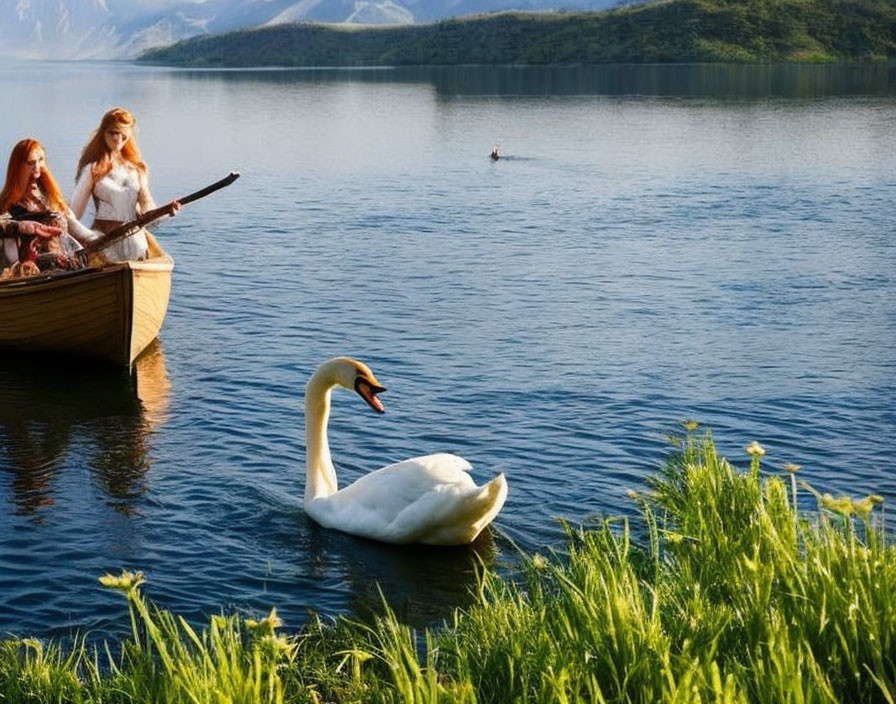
x=736 y=592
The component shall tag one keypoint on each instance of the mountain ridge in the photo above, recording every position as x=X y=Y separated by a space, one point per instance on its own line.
x=123 y=29
x=660 y=31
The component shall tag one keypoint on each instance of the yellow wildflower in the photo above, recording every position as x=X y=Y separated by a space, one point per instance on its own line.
x=539 y=562
x=674 y=538
x=124 y=582
x=278 y=646
x=267 y=624
x=864 y=506
x=754 y=449
x=842 y=505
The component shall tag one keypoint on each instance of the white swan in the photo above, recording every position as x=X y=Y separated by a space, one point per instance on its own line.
x=430 y=499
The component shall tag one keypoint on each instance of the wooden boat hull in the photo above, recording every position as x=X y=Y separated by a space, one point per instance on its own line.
x=109 y=314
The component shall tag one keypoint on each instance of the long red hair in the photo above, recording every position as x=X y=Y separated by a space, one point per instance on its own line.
x=97 y=153
x=17 y=176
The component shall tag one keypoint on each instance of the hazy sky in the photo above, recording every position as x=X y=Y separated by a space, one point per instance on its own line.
x=165 y=3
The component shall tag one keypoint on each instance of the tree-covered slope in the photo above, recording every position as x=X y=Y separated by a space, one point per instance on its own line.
x=665 y=31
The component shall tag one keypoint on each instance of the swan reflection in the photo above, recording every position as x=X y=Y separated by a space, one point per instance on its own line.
x=56 y=414
x=421 y=584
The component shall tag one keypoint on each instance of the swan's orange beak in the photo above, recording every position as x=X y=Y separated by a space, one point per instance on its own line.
x=368 y=390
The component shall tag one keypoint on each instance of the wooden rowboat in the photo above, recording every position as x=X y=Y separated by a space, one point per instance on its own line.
x=108 y=313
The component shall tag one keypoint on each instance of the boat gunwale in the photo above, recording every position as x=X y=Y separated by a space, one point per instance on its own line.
x=163 y=263
x=47 y=279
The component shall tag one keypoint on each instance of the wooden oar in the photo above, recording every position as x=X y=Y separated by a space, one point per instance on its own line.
x=129 y=228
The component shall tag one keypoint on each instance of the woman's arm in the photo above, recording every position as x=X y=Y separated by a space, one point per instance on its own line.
x=145 y=201
x=16 y=228
x=82 y=192
x=79 y=231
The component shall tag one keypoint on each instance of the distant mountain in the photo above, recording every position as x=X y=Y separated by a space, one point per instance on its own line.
x=660 y=31
x=121 y=29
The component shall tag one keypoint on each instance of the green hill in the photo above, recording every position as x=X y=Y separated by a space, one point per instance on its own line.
x=665 y=31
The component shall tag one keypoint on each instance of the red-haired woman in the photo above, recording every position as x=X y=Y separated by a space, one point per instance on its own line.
x=112 y=171
x=30 y=193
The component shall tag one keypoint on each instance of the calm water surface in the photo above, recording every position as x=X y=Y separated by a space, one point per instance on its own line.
x=659 y=244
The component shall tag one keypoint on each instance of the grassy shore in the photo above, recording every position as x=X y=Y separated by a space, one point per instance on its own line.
x=732 y=596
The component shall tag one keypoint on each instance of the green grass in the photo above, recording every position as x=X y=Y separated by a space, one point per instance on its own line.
x=728 y=594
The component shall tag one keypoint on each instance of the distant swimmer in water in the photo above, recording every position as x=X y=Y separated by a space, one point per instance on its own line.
x=495 y=155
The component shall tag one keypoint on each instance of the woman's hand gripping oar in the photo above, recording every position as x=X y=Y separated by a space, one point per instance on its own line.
x=129 y=228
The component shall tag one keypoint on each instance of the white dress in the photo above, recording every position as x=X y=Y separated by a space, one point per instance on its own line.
x=121 y=195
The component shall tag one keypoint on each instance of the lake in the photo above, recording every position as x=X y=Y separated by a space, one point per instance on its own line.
x=658 y=244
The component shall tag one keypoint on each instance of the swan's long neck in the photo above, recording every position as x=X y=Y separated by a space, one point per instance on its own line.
x=320 y=477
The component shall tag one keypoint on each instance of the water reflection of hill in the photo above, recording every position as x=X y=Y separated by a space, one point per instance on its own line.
x=51 y=408
x=700 y=80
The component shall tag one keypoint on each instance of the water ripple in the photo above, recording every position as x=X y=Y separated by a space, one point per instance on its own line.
x=554 y=316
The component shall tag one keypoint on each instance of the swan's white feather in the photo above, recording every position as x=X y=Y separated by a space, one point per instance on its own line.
x=417 y=500
x=429 y=499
